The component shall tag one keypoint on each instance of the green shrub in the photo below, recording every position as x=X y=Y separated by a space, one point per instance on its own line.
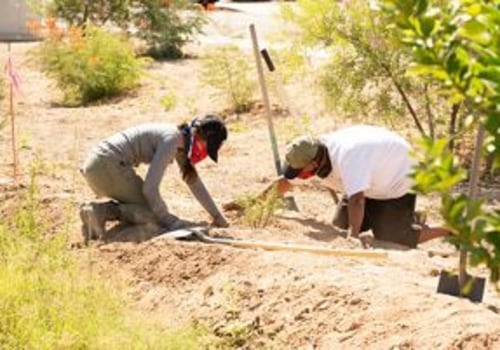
x=89 y=65
x=165 y=25
x=78 y=12
x=166 y=29
x=229 y=71
x=168 y=101
x=363 y=71
x=48 y=302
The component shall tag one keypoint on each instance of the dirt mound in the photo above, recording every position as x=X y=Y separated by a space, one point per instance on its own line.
x=173 y=264
x=299 y=300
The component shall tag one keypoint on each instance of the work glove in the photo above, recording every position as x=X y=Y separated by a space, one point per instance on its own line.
x=220 y=221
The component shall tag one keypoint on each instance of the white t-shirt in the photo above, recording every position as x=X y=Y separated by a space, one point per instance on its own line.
x=369 y=159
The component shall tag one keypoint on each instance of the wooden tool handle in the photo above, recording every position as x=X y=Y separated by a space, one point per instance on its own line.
x=355 y=253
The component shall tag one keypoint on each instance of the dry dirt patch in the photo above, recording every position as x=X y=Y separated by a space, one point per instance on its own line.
x=295 y=300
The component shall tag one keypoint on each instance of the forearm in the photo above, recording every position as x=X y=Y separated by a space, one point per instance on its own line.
x=355 y=210
x=281 y=186
x=201 y=194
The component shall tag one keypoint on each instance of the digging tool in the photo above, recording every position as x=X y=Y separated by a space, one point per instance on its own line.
x=201 y=234
x=289 y=201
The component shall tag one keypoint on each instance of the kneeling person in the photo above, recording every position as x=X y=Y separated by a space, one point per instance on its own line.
x=109 y=171
x=370 y=165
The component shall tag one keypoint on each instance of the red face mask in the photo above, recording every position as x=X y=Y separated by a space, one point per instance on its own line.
x=305 y=174
x=198 y=151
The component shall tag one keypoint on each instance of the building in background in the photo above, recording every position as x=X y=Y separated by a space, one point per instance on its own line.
x=14 y=14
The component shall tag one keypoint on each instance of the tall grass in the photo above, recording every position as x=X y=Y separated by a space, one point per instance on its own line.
x=48 y=302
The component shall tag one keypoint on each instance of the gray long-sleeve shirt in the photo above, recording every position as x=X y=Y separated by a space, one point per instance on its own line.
x=156 y=145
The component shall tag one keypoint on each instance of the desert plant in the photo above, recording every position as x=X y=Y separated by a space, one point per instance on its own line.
x=168 y=101
x=78 y=12
x=258 y=211
x=365 y=72
x=88 y=65
x=47 y=301
x=165 y=26
x=459 y=48
x=228 y=70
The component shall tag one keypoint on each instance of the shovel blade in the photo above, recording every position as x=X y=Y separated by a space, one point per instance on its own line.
x=183 y=233
x=449 y=284
x=290 y=203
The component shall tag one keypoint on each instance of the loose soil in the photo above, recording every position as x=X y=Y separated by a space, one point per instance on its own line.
x=288 y=300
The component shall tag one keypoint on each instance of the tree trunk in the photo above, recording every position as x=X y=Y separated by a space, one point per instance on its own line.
x=430 y=117
x=453 y=125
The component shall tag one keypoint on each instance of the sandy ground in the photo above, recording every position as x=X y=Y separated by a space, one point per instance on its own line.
x=288 y=300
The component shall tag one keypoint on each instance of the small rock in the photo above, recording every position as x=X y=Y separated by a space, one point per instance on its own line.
x=355 y=301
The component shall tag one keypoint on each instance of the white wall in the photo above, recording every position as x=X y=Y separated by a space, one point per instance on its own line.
x=13 y=17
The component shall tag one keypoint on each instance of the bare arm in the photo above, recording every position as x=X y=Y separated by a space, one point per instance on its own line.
x=281 y=184
x=151 y=187
x=334 y=195
x=356 y=210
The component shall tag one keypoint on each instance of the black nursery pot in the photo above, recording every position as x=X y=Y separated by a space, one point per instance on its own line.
x=449 y=284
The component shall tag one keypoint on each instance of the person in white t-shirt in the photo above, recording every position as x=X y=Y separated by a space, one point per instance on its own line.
x=370 y=166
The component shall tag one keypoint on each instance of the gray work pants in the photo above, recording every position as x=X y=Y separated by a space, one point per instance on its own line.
x=112 y=178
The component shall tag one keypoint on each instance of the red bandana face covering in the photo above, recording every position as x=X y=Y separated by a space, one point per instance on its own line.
x=305 y=174
x=197 y=152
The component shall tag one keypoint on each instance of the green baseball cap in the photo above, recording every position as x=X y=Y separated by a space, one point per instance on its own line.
x=299 y=154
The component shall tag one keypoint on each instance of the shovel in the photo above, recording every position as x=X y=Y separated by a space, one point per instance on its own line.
x=289 y=201
x=201 y=234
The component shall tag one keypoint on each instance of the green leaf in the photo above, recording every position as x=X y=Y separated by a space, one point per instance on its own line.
x=476 y=31
x=434 y=71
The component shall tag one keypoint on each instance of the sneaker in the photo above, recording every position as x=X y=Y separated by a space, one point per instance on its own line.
x=92 y=222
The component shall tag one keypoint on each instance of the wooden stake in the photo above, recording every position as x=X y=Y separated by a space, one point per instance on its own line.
x=12 y=122
x=472 y=192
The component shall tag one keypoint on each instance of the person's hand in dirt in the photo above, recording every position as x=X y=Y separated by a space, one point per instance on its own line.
x=280 y=185
x=220 y=221
x=232 y=206
x=366 y=239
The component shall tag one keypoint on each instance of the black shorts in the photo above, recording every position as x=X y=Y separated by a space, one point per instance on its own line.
x=390 y=220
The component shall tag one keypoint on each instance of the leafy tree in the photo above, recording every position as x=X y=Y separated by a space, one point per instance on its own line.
x=165 y=26
x=457 y=44
x=366 y=71
x=79 y=12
